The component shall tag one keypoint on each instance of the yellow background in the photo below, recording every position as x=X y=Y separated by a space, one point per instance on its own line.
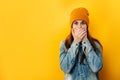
x=31 y=31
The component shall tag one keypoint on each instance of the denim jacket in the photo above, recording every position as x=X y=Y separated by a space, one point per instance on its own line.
x=70 y=61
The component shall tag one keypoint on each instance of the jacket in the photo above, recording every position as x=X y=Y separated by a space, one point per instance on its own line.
x=70 y=61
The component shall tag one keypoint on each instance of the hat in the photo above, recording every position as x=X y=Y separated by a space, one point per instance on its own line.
x=79 y=14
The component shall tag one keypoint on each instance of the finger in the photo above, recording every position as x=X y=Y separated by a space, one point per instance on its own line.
x=82 y=34
x=85 y=34
x=79 y=30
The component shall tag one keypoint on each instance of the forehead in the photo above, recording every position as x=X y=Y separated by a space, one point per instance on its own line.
x=78 y=21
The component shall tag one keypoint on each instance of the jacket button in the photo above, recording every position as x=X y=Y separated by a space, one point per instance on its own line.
x=77 y=44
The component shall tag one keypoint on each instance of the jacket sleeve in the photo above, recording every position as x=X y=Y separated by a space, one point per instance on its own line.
x=67 y=57
x=94 y=58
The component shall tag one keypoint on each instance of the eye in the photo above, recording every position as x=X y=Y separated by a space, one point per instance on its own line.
x=83 y=22
x=75 y=22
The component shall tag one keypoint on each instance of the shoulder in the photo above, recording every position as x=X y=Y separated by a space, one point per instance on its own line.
x=98 y=45
x=62 y=45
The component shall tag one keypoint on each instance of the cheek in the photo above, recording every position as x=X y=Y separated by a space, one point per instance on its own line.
x=84 y=27
x=74 y=26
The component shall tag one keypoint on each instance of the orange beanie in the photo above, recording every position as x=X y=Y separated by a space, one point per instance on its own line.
x=79 y=14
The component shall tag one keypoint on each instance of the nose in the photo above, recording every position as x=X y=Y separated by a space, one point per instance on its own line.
x=80 y=26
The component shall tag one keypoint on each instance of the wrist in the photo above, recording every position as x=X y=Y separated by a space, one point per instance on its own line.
x=77 y=40
x=85 y=38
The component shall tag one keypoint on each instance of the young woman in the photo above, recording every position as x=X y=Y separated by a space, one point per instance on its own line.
x=80 y=53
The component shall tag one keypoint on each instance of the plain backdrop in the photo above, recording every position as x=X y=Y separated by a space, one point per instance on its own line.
x=31 y=31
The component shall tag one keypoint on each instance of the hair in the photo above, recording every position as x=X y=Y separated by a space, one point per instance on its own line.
x=69 y=39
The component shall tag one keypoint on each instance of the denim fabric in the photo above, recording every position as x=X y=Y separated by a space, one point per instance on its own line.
x=70 y=61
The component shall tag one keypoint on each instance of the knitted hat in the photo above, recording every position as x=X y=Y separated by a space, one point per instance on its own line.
x=79 y=14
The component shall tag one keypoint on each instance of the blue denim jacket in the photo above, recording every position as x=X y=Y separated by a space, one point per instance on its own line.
x=70 y=61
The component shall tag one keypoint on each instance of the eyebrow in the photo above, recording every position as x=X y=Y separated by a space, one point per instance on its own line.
x=79 y=21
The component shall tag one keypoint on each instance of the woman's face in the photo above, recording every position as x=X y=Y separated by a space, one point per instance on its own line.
x=79 y=24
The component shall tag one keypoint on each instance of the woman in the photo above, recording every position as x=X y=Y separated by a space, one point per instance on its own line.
x=80 y=54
